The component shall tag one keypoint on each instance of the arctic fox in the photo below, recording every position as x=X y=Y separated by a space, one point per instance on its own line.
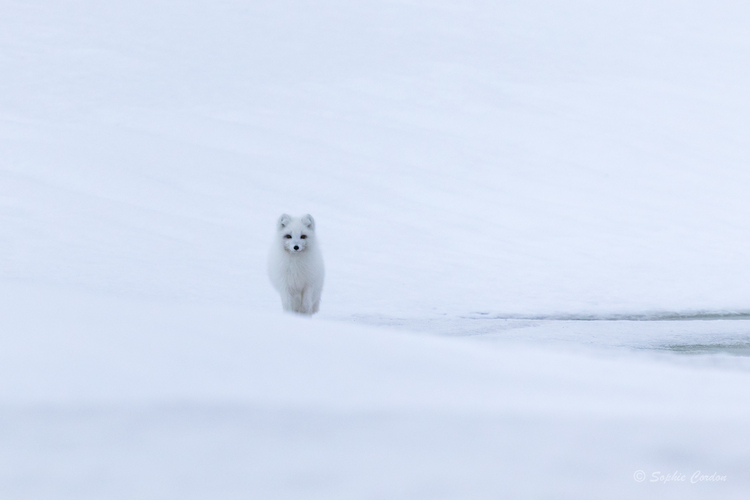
x=295 y=264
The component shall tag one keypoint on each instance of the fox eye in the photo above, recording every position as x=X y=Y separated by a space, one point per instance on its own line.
x=288 y=236
x=303 y=236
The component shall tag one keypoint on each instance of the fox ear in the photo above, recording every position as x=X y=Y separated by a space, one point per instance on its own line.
x=284 y=221
x=308 y=220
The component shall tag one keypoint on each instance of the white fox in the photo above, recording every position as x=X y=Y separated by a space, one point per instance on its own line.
x=295 y=264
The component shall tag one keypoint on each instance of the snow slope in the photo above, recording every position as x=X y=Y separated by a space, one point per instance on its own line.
x=109 y=399
x=526 y=158
x=483 y=171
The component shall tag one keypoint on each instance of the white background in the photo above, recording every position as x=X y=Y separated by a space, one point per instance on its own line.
x=466 y=163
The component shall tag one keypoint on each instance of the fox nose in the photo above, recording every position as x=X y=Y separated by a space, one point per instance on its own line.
x=296 y=247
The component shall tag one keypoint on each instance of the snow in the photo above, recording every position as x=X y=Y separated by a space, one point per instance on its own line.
x=533 y=216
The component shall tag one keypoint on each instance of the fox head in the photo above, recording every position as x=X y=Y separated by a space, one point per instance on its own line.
x=296 y=233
